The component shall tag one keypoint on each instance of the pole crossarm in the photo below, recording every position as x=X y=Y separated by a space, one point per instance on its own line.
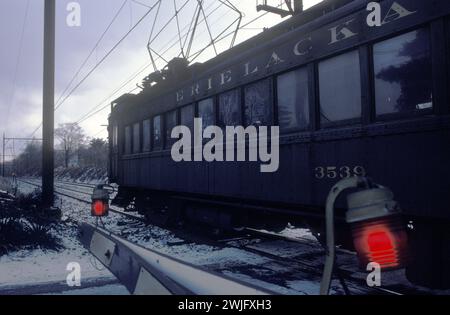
x=147 y=272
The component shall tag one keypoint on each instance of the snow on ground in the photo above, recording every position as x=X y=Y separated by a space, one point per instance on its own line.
x=40 y=267
x=111 y=289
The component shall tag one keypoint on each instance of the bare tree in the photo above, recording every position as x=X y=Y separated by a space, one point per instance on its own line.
x=95 y=154
x=71 y=137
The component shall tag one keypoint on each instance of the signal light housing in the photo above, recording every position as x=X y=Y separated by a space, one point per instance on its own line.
x=379 y=234
x=100 y=202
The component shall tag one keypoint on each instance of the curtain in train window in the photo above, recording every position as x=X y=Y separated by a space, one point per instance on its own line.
x=403 y=75
x=258 y=104
x=340 y=88
x=146 y=136
x=157 y=133
x=171 y=122
x=206 y=112
x=115 y=138
x=136 y=138
x=229 y=109
x=293 y=101
x=128 y=142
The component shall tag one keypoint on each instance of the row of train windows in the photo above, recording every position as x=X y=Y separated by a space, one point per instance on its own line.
x=402 y=82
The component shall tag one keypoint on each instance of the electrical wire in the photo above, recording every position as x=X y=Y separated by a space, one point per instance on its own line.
x=93 y=50
x=104 y=58
x=94 y=110
x=19 y=57
x=91 y=113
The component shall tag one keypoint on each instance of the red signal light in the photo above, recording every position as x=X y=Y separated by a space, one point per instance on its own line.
x=381 y=241
x=379 y=233
x=99 y=208
x=100 y=202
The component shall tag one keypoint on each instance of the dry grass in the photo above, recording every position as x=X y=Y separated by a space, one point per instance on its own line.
x=6 y=184
x=25 y=225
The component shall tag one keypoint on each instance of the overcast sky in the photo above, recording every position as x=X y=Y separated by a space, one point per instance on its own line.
x=21 y=56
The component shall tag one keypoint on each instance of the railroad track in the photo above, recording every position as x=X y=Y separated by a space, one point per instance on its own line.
x=62 y=191
x=249 y=240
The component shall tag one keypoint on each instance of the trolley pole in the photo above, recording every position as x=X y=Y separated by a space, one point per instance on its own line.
x=48 y=119
x=298 y=6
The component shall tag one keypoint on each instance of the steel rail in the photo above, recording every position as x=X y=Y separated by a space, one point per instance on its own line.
x=112 y=208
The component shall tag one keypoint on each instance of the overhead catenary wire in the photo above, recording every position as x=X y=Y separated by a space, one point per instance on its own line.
x=97 y=109
x=93 y=50
x=104 y=58
x=86 y=59
x=17 y=65
x=197 y=54
x=91 y=113
x=107 y=55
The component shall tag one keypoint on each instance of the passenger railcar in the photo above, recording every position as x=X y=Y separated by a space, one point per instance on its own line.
x=350 y=99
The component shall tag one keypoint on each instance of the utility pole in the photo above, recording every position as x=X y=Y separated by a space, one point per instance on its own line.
x=48 y=119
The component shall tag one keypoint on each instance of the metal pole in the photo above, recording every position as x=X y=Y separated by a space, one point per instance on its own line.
x=298 y=6
x=351 y=182
x=48 y=118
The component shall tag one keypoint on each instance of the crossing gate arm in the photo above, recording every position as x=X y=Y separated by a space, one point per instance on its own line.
x=148 y=272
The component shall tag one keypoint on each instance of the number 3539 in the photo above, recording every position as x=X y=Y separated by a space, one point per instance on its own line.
x=335 y=172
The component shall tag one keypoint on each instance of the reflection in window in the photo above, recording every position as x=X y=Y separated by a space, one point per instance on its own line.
x=115 y=138
x=157 y=136
x=146 y=136
x=340 y=88
x=187 y=117
x=171 y=123
x=206 y=112
x=403 y=78
x=128 y=140
x=229 y=109
x=293 y=100
x=258 y=104
x=136 y=138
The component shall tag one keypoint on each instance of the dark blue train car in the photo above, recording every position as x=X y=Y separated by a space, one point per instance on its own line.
x=350 y=99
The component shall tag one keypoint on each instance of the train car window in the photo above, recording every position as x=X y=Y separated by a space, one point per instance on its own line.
x=340 y=88
x=128 y=142
x=293 y=101
x=206 y=112
x=146 y=136
x=136 y=138
x=258 y=104
x=187 y=116
x=229 y=108
x=157 y=133
x=170 y=123
x=403 y=75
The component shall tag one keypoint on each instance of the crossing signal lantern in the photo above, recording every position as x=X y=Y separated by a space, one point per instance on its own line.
x=379 y=234
x=100 y=202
